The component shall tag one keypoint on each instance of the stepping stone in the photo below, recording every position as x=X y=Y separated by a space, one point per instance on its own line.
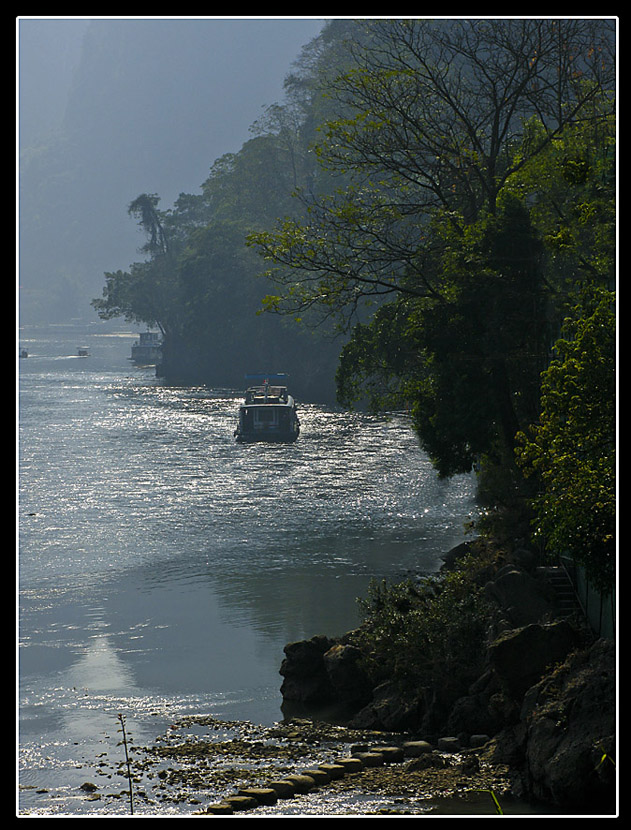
x=350 y=764
x=283 y=788
x=334 y=771
x=318 y=775
x=412 y=749
x=263 y=795
x=241 y=802
x=370 y=759
x=302 y=783
x=221 y=809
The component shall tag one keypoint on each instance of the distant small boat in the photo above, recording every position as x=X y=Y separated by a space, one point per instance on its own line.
x=147 y=350
x=268 y=412
x=23 y=352
x=83 y=351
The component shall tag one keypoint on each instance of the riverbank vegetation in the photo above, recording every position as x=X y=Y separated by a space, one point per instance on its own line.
x=428 y=222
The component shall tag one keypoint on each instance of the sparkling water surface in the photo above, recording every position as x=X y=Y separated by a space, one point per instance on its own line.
x=162 y=567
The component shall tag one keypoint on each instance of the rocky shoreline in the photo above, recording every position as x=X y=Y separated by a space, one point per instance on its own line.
x=302 y=767
x=536 y=729
x=544 y=707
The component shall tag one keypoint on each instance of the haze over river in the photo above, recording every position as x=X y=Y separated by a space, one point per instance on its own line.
x=163 y=567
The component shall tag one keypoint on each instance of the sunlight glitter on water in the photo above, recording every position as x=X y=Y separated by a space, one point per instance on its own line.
x=163 y=567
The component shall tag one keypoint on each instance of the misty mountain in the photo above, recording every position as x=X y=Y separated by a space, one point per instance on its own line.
x=113 y=108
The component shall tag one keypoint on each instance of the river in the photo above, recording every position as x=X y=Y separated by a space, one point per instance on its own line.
x=162 y=567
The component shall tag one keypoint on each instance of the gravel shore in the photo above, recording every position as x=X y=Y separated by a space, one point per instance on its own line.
x=223 y=768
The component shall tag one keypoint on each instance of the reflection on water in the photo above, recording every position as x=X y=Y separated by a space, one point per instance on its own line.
x=163 y=567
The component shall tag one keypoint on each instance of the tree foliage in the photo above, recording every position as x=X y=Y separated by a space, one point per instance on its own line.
x=572 y=448
x=425 y=635
x=432 y=120
x=476 y=194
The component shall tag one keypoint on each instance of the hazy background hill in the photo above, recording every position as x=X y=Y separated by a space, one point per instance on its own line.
x=112 y=108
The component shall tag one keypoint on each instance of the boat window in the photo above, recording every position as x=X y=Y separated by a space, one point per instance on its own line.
x=266 y=414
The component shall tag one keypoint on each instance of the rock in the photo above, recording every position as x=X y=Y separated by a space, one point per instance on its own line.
x=348 y=681
x=220 y=809
x=334 y=771
x=241 y=802
x=391 y=754
x=570 y=731
x=302 y=783
x=283 y=788
x=562 y=751
x=479 y=740
x=412 y=749
x=430 y=761
x=520 y=657
x=478 y=711
x=263 y=795
x=305 y=676
x=453 y=556
x=449 y=744
x=388 y=711
x=319 y=775
x=470 y=765
x=522 y=598
x=88 y=787
x=524 y=559
x=350 y=764
x=371 y=759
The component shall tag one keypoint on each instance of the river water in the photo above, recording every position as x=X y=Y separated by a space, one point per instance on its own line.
x=163 y=567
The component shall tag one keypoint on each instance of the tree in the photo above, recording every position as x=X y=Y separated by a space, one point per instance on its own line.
x=144 y=208
x=467 y=364
x=572 y=447
x=148 y=292
x=432 y=114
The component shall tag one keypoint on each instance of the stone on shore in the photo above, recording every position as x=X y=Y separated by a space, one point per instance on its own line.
x=350 y=764
x=319 y=775
x=220 y=809
x=412 y=749
x=241 y=802
x=370 y=759
x=302 y=783
x=283 y=788
x=263 y=795
x=334 y=771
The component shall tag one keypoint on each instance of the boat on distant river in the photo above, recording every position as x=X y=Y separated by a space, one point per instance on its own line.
x=147 y=350
x=268 y=412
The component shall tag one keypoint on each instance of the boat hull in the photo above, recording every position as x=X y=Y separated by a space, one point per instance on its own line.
x=273 y=438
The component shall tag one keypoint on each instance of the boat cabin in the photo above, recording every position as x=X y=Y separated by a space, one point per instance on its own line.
x=268 y=413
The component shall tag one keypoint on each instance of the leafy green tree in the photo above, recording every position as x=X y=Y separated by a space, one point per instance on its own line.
x=425 y=637
x=572 y=447
x=467 y=364
x=460 y=224
x=149 y=291
x=431 y=116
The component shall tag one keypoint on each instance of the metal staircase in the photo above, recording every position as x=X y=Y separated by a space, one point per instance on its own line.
x=565 y=596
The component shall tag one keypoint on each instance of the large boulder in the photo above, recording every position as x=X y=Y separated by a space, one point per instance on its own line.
x=521 y=656
x=523 y=598
x=570 y=720
x=563 y=750
x=389 y=710
x=324 y=671
x=305 y=677
x=342 y=664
